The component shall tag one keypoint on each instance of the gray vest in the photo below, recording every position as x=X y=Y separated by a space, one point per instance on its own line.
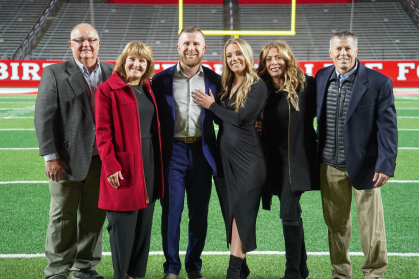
x=337 y=101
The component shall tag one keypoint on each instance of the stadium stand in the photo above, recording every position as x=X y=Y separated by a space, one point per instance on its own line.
x=384 y=29
x=118 y=24
x=17 y=19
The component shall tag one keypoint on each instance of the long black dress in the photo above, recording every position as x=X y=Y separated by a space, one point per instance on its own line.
x=243 y=162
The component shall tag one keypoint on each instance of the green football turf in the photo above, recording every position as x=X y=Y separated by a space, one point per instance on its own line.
x=215 y=266
x=24 y=211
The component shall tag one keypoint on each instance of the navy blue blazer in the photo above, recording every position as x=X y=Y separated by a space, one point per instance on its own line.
x=370 y=126
x=162 y=85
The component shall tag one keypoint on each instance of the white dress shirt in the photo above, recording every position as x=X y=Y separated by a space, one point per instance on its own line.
x=188 y=114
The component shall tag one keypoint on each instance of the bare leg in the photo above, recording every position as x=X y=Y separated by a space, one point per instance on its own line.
x=236 y=244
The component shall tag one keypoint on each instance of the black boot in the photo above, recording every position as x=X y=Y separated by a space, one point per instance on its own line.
x=234 y=267
x=303 y=257
x=245 y=271
x=293 y=236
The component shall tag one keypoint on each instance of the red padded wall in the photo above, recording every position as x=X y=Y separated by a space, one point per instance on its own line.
x=166 y=2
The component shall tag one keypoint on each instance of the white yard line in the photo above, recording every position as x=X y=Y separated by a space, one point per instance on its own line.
x=25 y=148
x=17 y=129
x=408 y=129
x=160 y=253
x=12 y=117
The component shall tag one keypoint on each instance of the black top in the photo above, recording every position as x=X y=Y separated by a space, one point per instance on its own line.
x=291 y=142
x=146 y=110
x=276 y=123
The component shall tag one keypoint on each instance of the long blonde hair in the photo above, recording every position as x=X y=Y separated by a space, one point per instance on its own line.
x=227 y=77
x=294 y=78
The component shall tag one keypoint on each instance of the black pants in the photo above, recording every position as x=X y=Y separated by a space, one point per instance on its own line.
x=129 y=233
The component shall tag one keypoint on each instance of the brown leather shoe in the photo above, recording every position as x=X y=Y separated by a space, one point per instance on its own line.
x=196 y=274
x=170 y=276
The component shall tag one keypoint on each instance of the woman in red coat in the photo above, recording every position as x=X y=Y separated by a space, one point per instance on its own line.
x=128 y=140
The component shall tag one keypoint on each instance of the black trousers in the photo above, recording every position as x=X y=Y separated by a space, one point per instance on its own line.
x=129 y=233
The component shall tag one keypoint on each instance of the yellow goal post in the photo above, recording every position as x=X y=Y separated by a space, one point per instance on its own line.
x=237 y=33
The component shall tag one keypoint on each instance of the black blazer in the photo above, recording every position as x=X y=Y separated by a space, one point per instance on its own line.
x=370 y=127
x=304 y=166
x=64 y=121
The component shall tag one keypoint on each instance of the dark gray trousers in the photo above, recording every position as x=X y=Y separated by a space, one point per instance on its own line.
x=129 y=233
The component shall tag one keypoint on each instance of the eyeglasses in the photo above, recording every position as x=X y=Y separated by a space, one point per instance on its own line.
x=81 y=41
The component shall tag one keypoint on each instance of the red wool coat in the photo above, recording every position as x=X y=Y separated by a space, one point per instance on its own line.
x=118 y=138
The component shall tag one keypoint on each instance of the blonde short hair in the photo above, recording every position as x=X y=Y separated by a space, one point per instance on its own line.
x=136 y=48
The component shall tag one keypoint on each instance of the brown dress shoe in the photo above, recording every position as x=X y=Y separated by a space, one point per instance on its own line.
x=196 y=274
x=170 y=276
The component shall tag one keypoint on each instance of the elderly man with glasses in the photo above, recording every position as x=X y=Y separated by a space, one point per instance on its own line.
x=65 y=127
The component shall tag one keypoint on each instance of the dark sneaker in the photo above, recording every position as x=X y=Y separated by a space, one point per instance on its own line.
x=196 y=274
x=91 y=274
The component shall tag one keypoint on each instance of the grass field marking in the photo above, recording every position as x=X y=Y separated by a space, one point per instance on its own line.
x=10 y=117
x=407 y=116
x=397 y=129
x=17 y=111
x=398 y=181
x=413 y=148
x=23 y=182
x=23 y=148
x=23 y=129
x=406 y=108
x=160 y=253
x=22 y=102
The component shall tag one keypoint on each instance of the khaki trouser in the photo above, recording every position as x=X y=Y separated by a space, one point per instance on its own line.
x=72 y=244
x=336 y=192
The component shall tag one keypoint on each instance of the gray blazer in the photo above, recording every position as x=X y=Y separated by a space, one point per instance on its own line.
x=64 y=121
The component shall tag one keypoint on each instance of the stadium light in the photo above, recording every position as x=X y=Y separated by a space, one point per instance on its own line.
x=237 y=33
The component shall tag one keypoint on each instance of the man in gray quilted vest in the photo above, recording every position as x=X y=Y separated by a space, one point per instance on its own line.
x=357 y=134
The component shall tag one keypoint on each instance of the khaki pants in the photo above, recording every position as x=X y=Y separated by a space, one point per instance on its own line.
x=336 y=192
x=71 y=243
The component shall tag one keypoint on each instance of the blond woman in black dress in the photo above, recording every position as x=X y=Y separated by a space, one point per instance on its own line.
x=242 y=97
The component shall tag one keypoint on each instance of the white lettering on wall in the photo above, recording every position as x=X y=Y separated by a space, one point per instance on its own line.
x=218 y=68
x=3 y=71
x=30 y=68
x=379 y=66
x=15 y=72
x=309 y=69
x=403 y=71
x=165 y=66
x=46 y=64
x=156 y=67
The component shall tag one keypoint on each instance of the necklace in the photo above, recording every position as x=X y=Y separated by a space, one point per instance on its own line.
x=134 y=88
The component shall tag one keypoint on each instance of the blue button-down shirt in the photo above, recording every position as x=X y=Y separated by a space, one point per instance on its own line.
x=342 y=78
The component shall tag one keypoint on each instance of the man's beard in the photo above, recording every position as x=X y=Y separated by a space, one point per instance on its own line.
x=191 y=63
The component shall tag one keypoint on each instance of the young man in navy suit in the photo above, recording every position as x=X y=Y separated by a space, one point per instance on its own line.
x=357 y=133
x=189 y=150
